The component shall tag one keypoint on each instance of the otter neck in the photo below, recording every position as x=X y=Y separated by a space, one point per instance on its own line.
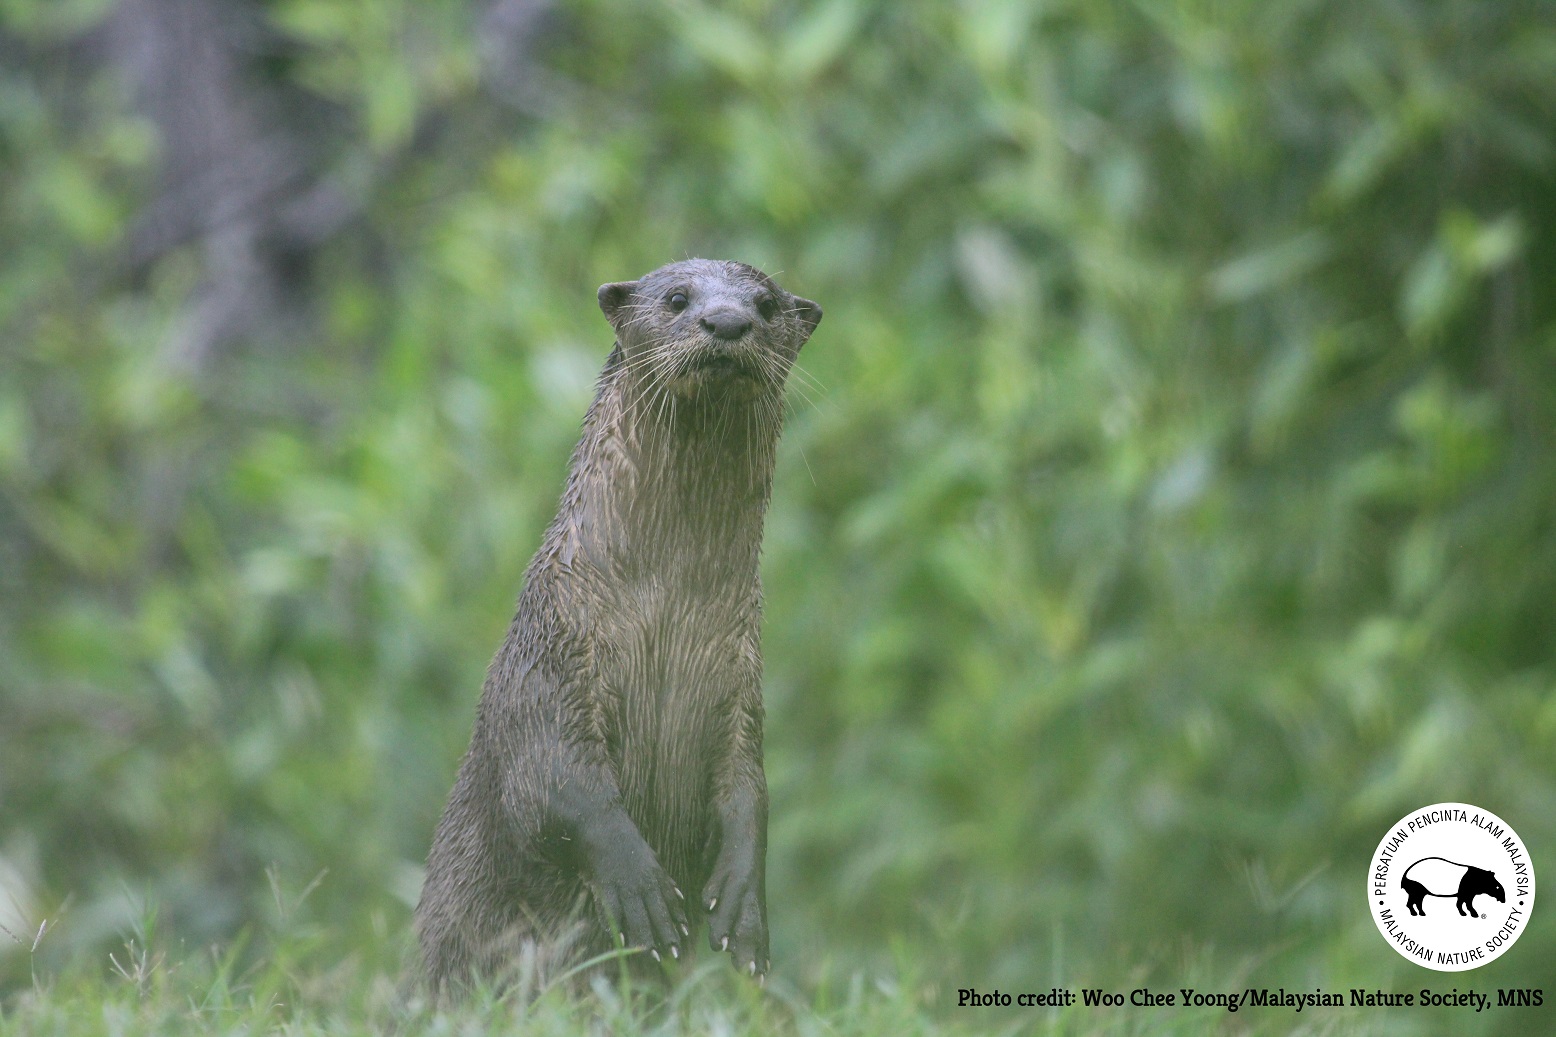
x=686 y=483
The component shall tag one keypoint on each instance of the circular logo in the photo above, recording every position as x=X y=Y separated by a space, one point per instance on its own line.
x=1451 y=886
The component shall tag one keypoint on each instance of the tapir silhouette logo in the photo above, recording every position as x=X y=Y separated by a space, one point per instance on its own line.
x=1440 y=877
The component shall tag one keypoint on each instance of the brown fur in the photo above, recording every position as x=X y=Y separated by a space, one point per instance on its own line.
x=617 y=752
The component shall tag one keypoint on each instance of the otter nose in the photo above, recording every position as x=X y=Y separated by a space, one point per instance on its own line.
x=725 y=324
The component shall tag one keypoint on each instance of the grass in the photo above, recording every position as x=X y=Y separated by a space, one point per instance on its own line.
x=294 y=986
x=294 y=977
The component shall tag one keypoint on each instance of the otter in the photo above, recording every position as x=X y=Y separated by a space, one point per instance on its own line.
x=617 y=751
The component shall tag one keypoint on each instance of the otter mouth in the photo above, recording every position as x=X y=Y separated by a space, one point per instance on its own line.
x=723 y=367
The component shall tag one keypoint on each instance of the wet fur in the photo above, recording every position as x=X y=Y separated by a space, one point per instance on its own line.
x=625 y=700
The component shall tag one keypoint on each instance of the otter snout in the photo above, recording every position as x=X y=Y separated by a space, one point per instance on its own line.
x=725 y=323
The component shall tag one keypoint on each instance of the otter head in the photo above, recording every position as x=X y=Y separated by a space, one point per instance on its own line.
x=706 y=328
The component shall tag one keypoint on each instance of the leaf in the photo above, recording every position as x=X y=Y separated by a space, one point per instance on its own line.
x=1257 y=272
x=724 y=41
x=817 y=41
x=1434 y=287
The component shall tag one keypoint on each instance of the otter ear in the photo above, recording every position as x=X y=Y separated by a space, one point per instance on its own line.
x=809 y=314
x=613 y=297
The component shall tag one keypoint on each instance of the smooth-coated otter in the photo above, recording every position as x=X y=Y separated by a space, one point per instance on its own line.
x=617 y=752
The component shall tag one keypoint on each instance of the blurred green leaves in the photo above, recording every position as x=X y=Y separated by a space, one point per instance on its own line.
x=1464 y=252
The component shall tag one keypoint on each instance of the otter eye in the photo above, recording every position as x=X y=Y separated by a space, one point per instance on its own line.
x=678 y=301
x=767 y=306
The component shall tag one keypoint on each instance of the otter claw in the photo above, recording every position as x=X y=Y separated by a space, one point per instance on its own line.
x=752 y=969
x=724 y=945
x=675 y=952
x=685 y=931
x=655 y=954
x=713 y=903
x=679 y=893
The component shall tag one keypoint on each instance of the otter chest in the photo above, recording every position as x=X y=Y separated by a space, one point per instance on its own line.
x=671 y=646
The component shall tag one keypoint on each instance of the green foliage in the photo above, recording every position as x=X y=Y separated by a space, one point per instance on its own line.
x=1170 y=509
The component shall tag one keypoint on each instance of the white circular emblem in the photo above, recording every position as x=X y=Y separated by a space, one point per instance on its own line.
x=1451 y=886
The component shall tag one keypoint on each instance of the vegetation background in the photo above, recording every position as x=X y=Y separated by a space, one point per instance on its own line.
x=1173 y=509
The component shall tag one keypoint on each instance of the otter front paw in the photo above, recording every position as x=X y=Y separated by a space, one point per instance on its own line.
x=737 y=915
x=639 y=902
